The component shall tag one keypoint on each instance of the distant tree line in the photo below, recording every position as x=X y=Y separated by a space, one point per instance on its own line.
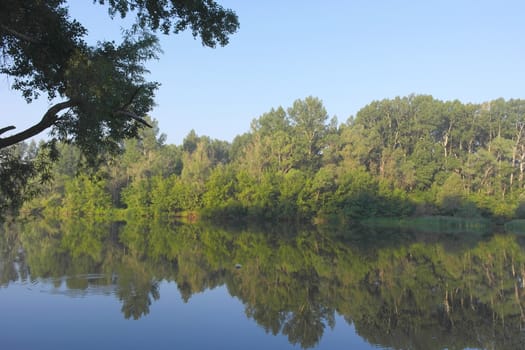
x=412 y=155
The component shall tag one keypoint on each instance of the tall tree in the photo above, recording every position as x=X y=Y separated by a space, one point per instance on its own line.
x=308 y=118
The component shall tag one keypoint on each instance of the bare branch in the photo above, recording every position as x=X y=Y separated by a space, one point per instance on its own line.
x=7 y=128
x=125 y=107
x=134 y=116
x=49 y=118
x=123 y=110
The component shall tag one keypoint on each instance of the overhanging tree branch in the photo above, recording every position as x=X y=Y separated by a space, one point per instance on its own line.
x=6 y=129
x=47 y=121
x=18 y=35
x=125 y=112
x=134 y=116
x=130 y=101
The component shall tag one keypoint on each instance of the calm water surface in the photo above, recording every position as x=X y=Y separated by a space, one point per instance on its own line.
x=40 y=316
x=86 y=285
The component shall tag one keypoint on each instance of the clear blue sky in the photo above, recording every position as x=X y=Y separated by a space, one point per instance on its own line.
x=347 y=53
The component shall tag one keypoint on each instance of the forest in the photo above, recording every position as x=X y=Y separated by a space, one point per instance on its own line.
x=401 y=157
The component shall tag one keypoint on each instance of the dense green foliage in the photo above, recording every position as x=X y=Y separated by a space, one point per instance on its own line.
x=400 y=290
x=98 y=95
x=407 y=156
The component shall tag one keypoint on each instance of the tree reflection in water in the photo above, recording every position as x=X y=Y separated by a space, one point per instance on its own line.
x=399 y=290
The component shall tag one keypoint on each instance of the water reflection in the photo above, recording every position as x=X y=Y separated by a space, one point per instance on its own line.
x=399 y=290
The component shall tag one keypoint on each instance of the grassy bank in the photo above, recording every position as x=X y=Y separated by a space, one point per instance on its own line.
x=433 y=224
x=515 y=226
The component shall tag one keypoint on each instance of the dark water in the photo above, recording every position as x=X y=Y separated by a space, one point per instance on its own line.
x=86 y=285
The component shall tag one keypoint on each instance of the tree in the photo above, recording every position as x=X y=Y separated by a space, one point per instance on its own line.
x=99 y=93
x=14 y=179
x=102 y=89
x=308 y=118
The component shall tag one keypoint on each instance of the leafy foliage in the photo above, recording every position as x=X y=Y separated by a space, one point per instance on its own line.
x=99 y=94
x=397 y=158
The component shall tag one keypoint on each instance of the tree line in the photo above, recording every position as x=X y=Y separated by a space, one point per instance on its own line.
x=413 y=155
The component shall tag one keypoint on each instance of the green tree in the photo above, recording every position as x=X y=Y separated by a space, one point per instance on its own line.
x=86 y=196
x=220 y=187
x=283 y=140
x=137 y=196
x=308 y=118
x=103 y=88
x=23 y=171
x=291 y=185
x=451 y=195
x=102 y=93
x=14 y=179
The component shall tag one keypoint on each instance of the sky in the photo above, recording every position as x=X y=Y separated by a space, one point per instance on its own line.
x=348 y=53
